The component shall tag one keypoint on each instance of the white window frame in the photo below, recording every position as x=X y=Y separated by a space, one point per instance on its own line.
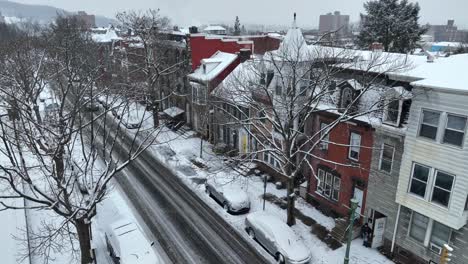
x=386 y=108
x=433 y=186
x=353 y=147
x=460 y=131
x=421 y=122
x=428 y=234
x=381 y=157
x=325 y=140
x=426 y=193
x=320 y=182
x=322 y=176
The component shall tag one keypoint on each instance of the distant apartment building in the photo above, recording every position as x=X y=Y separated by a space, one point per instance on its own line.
x=88 y=20
x=448 y=32
x=333 y=22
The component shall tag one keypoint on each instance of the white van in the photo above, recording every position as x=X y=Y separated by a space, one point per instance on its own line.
x=127 y=244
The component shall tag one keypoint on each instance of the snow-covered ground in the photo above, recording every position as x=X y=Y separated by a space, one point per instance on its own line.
x=12 y=234
x=179 y=152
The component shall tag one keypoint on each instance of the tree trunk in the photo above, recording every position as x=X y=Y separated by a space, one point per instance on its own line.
x=290 y=200
x=155 y=115
x=84 y=236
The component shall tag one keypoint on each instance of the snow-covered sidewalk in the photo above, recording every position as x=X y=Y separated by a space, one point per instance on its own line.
x=181 y=153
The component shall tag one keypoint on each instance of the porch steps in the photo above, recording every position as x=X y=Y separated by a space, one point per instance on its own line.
x=339 y=232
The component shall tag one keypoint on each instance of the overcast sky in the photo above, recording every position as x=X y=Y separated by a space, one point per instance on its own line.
x=193 y=12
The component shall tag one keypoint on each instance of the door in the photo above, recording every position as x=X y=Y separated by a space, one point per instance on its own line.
x=378 y=232
x=358 y=195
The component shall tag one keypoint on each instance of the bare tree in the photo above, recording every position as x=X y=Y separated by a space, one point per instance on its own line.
x=152 y=59
x=273 y=98
x=50 y=85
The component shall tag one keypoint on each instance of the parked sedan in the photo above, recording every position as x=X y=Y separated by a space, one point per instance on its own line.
x=277 y=238
x=126 y=244
x=229 y=193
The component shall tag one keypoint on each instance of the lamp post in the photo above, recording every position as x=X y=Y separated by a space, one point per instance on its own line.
x=354 y=205
x=264 y=190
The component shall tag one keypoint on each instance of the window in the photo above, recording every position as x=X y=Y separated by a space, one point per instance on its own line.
x=262 y=116
x=386 y=158
x=278 y=90
x=346 y=98
x=321 y=181
x=419 y=225
x=429 y=124
x=303 y=88
x=354 y=146
x=328 y=185
x=440 y=234
x=325 y=135
x=466 y=203
x=442 y=188
x=454 y=130
x=336 y=188
x=419 y=180
x=392 y=111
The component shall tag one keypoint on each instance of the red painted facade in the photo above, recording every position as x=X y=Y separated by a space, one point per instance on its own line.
x=203 y=46
x=336 y=161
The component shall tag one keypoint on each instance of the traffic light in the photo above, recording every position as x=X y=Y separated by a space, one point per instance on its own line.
x=446 y=254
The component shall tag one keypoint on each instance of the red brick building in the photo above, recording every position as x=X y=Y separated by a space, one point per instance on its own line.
x=342 y=162
x=203 y=46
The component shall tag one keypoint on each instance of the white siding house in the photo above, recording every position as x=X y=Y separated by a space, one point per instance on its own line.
x=434 y=171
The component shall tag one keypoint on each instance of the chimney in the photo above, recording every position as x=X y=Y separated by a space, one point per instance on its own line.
x=244 y=55
x=193 y=30
x=337 y=13
x=450 y=22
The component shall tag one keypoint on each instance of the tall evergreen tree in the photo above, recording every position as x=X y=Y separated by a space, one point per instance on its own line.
x=237 y=27
x=393 y=23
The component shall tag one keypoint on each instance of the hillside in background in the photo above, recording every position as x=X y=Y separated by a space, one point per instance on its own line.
x=40 y=13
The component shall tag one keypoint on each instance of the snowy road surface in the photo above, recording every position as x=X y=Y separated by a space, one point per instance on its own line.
x=188 y=230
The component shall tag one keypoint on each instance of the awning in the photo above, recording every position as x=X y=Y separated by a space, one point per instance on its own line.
x=173 y=111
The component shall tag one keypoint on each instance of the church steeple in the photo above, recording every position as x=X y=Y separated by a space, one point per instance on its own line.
x=294 y=25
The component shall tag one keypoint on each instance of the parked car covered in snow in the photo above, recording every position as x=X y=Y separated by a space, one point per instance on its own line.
x=229 y=193
x=277 y=238
x=126 y=244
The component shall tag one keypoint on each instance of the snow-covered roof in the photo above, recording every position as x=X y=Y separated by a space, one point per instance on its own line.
x=235 y=87
x=109 y=36
x=214 y=28
x=211 y=67
x=445 y=73
x=293 y=45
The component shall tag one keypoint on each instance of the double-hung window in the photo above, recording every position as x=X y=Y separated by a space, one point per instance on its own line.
x=440 y=234
x=429 y=232
x=321 y=181
x=325 y=135
x=328 y=185
x=429 y=124
x=419 y=180
x=419 y=225
x=440 y=184
x=454 y=133
x=442 y=188
x=386 y=158
x=354 y=146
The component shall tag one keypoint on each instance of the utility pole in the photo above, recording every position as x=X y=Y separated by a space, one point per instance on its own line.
x=264 y=190
x=354 y=205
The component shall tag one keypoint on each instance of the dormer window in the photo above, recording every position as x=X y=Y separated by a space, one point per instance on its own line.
x=394 y=101
x=346 y=97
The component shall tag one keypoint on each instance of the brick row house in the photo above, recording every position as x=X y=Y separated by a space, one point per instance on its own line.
x=405 y=162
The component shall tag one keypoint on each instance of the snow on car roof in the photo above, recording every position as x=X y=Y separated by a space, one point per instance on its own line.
x=284 y=235
x=133 y=246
